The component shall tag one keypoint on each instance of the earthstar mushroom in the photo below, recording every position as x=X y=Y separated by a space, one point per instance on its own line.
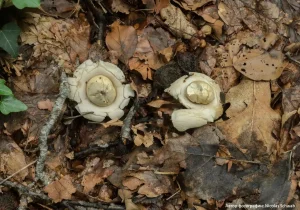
x=98 y=88
x=200 y=95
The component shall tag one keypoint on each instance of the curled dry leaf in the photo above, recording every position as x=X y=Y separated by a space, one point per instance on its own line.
x=46 y=104
x=122 y=39
x=120 y=6
x=177 y=22
x=60 y=189
x=259 y=65
x=12 y=158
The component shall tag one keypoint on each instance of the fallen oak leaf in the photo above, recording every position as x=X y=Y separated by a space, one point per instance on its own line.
x=252 y=128
x=60 y=189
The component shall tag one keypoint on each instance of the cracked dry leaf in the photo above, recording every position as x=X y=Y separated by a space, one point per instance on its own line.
x=153 y=184
x=63 y=40
x=259 y=65
x=12 y=158
x=177 y=22
x=122 y=39
x=60 y=189
x=254 y=124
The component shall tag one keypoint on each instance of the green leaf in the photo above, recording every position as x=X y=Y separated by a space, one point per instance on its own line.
x=4 y=90
x=8 y=38
x=21 y=4
x=2 y=81
x=10 y=104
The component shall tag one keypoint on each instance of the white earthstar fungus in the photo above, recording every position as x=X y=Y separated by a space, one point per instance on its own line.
x=98 y=88
x=201 y=96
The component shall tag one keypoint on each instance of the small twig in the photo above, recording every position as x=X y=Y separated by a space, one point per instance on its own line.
x=126 y=128
x=7 y=178
x=55 y=113
x=232 y=159
x=178 y=191
x=24 y=190
x=292 y=59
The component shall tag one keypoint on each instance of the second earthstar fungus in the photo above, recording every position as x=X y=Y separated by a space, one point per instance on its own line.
x=200 y=95
x=99 y=90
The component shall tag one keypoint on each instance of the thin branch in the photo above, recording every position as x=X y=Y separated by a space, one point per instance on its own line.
x=24 y=190
x=292 y=59
x=224 y=158
x=55 y=113
x=97 y=205
x=126 y=128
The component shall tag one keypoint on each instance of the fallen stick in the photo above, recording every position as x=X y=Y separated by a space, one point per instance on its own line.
x=55 y=113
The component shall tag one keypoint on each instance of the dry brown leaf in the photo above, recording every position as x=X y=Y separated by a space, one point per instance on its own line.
x=132 y=183
x=143 y=69
x=63 y=40
x=12 y=158
x=89 y=181
x=105 y=193
x=46 y=104
x=124 y=194
x=146 y=139
x=130 y=205
x=177 y=22
x=228 y=15
x=268 y=41
x=259 y=65
x=225 y=77
x=253 y=126
x=160 y=4
x=153 y=184
x=120 y=6
x=167 y=53
x=142 y=90
x=122 y=39
x=192 y=4
x=158 y=103
x=114 y=122
x=60 y=189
